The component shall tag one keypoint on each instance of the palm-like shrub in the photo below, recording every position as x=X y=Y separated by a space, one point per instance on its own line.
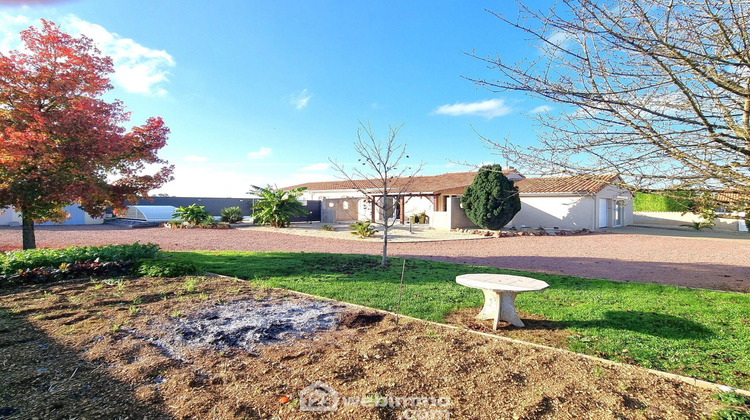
x=231 y=214
x=363 y=229
x=276 y=207
x=192 y=214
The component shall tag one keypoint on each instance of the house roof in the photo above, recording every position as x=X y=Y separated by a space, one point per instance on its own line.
x=732 y=197
x=435 y=184
x=566 y=184
x=455 y=184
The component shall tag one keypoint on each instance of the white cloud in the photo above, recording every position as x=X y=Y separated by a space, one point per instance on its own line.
x=315 y=167
x=301 y=99
x=193 y=158
x=264 y=152
x=137 y=69
x=488 y=109
x=541 y=109
x=201 y=181
x=10 y=26
x=561 y=39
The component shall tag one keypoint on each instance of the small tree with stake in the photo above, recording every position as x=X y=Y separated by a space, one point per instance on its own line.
x=381 y=172
x=491 y=201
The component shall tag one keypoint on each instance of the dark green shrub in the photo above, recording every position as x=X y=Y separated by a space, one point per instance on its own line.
x=231 y=214
x=67 y=271
x=13 y=261
x=491 y=200
x=160 y=267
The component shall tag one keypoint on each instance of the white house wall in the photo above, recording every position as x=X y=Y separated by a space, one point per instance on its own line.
x=611 y=194
x=566 y=212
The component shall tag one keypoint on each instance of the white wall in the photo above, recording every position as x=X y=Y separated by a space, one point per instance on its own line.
x=454 y=217
x=672 y=219
x=12 y=218
x=571 y=212
x=9 y=217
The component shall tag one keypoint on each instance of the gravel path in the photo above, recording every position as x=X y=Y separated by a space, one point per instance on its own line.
x=702 y=262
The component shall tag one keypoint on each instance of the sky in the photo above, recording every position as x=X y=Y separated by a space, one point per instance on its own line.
x=268 y=92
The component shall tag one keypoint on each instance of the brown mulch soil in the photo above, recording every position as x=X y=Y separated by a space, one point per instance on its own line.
x=83 y=349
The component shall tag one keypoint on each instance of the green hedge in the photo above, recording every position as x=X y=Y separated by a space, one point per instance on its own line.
x=13 y=261
x=657 y=202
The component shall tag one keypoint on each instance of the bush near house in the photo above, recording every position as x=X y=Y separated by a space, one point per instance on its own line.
x=491 y=200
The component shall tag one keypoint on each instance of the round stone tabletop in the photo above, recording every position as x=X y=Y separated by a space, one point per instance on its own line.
x=501 y=282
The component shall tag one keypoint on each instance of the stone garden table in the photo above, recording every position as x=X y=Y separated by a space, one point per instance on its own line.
x=500 y=292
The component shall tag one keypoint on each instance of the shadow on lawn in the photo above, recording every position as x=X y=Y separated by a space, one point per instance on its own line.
x=431 y=274
x=44 y=379
x=651 y=323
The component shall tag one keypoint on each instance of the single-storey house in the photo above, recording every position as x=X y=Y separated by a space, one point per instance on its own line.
x=572 y=202
x=10 y=217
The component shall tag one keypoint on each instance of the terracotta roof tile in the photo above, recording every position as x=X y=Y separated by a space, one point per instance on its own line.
x=566 y=184
x=732 y=197
x=455 y=184
x=417 y=184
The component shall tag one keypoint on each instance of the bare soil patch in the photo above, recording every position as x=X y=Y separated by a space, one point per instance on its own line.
x=147 y=348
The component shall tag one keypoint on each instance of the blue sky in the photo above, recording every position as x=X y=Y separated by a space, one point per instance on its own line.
x=265 y=92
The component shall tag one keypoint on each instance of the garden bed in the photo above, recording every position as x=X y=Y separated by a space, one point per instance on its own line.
x=191 y=347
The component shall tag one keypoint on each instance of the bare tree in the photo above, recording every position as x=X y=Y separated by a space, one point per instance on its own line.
x=381 y=174
x=657 y=91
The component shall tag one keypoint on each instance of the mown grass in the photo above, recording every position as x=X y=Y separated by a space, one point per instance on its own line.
x=699 y=333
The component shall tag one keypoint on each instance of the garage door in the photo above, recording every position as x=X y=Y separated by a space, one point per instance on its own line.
x=603 y=213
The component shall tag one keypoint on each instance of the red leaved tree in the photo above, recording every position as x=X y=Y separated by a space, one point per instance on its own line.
x=60 y=142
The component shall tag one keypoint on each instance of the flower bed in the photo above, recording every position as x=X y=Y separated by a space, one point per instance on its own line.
x=531 y=232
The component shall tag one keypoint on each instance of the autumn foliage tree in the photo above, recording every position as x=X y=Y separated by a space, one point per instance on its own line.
x=60 y=142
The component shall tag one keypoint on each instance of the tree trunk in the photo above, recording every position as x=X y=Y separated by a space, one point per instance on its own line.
x=29 y=241
x=384 y=215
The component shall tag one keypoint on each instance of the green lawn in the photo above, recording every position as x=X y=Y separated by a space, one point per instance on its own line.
x=698 y=333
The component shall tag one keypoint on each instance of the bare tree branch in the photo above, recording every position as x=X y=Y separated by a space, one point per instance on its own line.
x=656 y=91
x=381 y=175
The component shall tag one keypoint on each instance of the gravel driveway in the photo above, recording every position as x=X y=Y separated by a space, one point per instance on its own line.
x=632 y=255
